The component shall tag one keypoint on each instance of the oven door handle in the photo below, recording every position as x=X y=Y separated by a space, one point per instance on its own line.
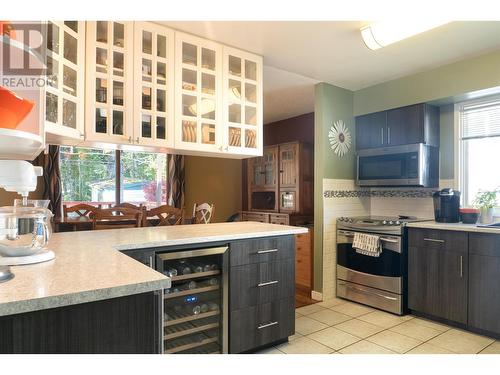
x=385 y=239
x=361 y=290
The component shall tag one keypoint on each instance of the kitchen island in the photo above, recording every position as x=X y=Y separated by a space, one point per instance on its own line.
x=92 y=286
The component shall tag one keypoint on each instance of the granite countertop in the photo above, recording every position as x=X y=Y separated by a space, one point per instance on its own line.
x=90 y=267
x=452 y=226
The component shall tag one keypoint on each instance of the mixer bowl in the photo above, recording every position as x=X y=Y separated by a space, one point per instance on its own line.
x=13 y=108
x=23 y=230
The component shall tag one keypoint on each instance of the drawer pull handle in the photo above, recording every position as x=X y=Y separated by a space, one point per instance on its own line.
x=433 y=240
x=267 y=325
x=267 y=251
x=267 y=283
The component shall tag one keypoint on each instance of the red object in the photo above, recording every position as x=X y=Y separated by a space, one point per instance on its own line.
x=13 y=109
x=469 y=211
x=6 y=29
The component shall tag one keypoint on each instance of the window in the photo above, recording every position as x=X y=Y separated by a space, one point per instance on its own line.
x=109 y=176
x=479 y=147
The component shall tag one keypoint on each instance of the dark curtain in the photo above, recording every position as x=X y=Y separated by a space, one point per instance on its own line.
x=175 y=180
x=52 y=188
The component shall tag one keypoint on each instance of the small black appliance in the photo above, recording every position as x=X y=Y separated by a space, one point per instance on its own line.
x=447 y=206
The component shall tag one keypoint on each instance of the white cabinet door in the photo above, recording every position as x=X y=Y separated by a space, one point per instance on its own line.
x=153 y=85
x=64 y=93
x=109 y=91
x=242 y=103
x=198 y=94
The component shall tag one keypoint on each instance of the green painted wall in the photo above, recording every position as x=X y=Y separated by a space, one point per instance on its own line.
x=331 y=103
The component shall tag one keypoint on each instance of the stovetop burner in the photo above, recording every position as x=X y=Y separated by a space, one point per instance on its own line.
x=384 y=224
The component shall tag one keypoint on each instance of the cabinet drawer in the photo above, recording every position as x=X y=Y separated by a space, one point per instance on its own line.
x=253 y=216
x=256 y=326
x=261 y=250
x=446 y=240
x=484 y=244
x=281 y=219
x=258 y=283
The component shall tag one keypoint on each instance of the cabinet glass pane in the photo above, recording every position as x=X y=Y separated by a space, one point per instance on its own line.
x=69 y=113
x=207 y=59
x=146 y=70
x=52 y=71
x=189 y=54
x=189 y=105
x=208 y=134
x=102 y=31
x=146 y=126
x=146 y=98
x=235 y=113
x=53 y=38
x=101 y=60
x=250 y=138
x=188 y=131
x=118 y=122
x=234 y=66
x=234 y=137
x=118 y=34
x=160 y=128
x=51 y=107
x=189 y=80
x=101 y=90
x=208 y=84
x=208 y=108
x=147 y=42
x=118 y=63
x=250 y=115
x=101 y=120
x=250 y=70
x=73 y=25
x=161 y=98
x=161 y=46
x=69 y=80
x=117 y=93
x=161 y=73
x=251 y=92
x=234 y=90
x=70 y=48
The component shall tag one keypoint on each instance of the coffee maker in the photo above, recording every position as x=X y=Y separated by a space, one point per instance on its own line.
x=447 y=206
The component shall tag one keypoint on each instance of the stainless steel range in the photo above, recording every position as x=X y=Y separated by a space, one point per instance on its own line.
x=378 y=281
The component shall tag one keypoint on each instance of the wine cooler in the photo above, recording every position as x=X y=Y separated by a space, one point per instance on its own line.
x=195 y=319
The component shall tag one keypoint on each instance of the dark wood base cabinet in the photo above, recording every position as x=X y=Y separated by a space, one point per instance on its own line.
x=129 y=324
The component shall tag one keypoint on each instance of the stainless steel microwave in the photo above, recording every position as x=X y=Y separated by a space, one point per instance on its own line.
x=406 y=165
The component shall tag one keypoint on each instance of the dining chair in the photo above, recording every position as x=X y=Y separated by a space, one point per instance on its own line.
x=80 y=209
x=203 y=213
x=129 y=205
x=116 y=218
x=162 y=216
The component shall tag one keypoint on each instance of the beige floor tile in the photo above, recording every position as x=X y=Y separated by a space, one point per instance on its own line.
x=271 y=350
x=304 y=345
x=461 y=342
x=384 y=319
x=294 y=337
x=416 y=331
x=359 y=328
x=297 y=315
x=305 y=325
x=365 y=347
x=332 y=302
x=334 y=338
x=430 y=324
x=309 y=309
x=394 y=341
x=492 y=349
x=352 y=309
x=329 y=317
x=427 y=348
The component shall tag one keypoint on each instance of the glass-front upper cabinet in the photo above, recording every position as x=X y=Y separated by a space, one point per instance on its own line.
x=109 y=80
x=198 y=94
x=64 y=103
x=154 y=85
x=242 y=86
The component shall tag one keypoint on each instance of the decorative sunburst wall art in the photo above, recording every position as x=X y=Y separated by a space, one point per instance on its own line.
x=340 y=138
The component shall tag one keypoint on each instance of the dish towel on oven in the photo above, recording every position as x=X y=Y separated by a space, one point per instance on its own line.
x=367 y=244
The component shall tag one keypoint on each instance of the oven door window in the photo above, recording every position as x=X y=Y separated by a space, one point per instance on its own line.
x=388 y=167
x=387 y=264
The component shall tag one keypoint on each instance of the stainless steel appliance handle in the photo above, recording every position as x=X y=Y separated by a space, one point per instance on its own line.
x=192 y=253
x=389 y=135
x=433 y=240
x=267 y=283
x=151 y=261
x=267 y=251
x=461 y=266
x=385 y=239
x=382 y=135
x=349 y=286
x=267 y=325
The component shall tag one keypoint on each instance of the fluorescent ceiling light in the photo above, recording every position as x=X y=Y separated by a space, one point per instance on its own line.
x=381 y=34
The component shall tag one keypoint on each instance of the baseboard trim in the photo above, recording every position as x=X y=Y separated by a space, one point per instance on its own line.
x=316 y=295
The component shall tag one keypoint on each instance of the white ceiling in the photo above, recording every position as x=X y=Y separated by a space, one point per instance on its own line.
x=333 y=52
